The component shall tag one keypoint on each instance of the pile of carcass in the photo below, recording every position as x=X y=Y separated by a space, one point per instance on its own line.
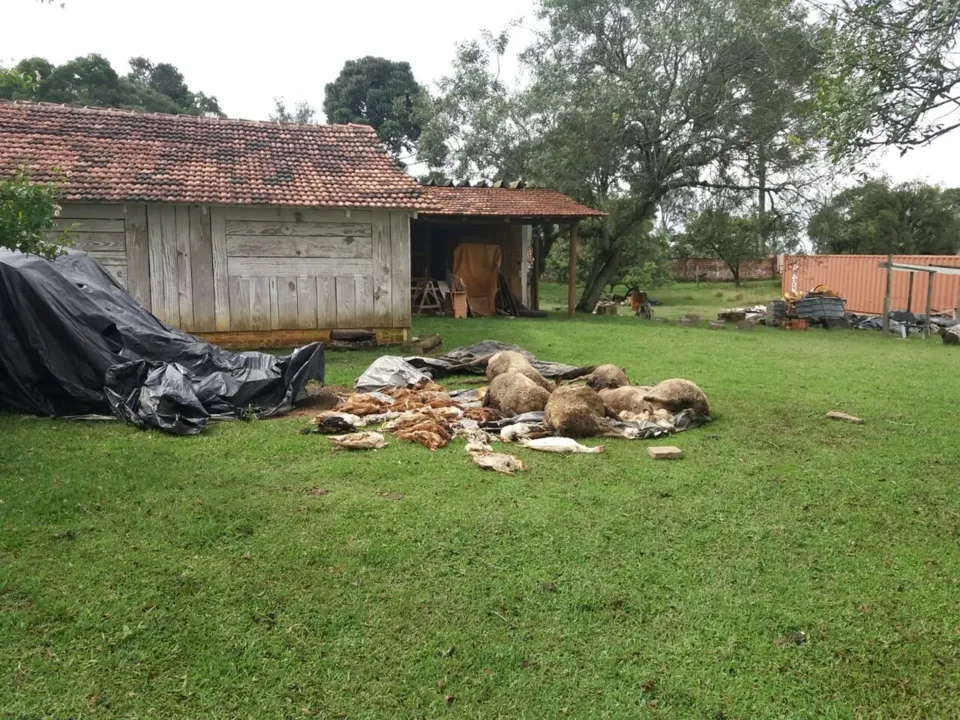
x=519 y=403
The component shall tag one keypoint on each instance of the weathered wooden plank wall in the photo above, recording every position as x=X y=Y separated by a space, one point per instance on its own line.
x=235 y=269
x=323 y=268
x=99 y=230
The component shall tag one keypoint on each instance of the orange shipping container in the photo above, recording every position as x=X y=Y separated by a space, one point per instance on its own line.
x=861 y=281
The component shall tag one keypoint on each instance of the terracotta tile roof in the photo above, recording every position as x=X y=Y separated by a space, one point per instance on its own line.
x=116 y=155
x=505 y=202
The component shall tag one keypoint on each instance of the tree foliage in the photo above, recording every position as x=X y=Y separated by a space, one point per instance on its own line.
x=477 y=124
x=878 y=218
x=302 y=113
x=629 y=102
x=27 y=217
x=381 y=93
x=716 y=232
x=891 y=74
x=91 y=80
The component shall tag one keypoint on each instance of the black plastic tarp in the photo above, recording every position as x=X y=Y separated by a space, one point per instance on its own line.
x=73 y=342
x=472 y=360
x=390 y=371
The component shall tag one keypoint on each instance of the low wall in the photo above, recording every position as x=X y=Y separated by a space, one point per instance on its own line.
x=715 y=270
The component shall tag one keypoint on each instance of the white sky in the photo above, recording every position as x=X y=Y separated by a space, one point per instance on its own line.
x=246 y=52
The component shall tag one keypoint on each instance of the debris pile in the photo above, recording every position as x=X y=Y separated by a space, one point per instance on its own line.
x=753 y=313
x=519 y=405
x=904 y=323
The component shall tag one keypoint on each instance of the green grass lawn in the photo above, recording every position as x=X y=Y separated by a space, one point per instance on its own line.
x=788 y=567
x=679 y=299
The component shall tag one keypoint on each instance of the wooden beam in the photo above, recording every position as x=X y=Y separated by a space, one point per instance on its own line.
x=906 y=267
x=535 y=290
x=886 y=296
x=572 y=272
x=910 y=294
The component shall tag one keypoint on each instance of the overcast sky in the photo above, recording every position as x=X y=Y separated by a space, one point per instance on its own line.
x=246 y=53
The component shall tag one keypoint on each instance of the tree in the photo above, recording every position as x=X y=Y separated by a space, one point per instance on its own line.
x=784 y=147
x=655 y=97
x=628 y=103
x=303 y=113
x=718 y=233
x=27 y=213
x=91 y=80
x=381 y=93
x=876 y=218
x=166 y=80
x=891 y=76
x=477 y=127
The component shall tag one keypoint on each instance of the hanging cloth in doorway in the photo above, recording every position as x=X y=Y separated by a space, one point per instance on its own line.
x=478 y=266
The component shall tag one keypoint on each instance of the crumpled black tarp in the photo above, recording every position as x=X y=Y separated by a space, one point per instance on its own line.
x=73 y=342
x=876 y=323
x=472 y=360
x=391 y=371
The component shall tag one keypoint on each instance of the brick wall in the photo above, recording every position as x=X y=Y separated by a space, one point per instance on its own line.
x=714 y=270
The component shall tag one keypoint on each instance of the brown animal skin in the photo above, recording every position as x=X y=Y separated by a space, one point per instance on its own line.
x=575 y=411
x=514 y=394
x=678 y=394
x=607 y=376
x=630 y=399
x=512 y=361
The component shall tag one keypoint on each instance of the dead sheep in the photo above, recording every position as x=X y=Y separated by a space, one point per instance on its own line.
x=514 y=394
x=607 y=376
x=625 y=399
x=512 y=361
x=677 y=395
x=575 y=411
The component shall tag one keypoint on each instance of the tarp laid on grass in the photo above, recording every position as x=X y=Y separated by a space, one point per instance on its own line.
x=390 y=372
x=74 y=342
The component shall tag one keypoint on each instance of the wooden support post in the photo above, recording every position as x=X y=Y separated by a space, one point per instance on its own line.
x=910 y=294
x=926 y=324
x=886 y=297
x=572 y=272
x=535 y=279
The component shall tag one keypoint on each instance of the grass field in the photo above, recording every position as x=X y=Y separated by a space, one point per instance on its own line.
x=678 y=299
x=788 y=567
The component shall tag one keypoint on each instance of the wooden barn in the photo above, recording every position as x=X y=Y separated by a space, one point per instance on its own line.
x=258 y=233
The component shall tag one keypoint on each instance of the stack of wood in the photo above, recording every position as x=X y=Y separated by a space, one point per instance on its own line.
x=507 y=303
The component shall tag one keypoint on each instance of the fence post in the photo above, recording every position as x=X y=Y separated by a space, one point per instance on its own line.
x=886 y=297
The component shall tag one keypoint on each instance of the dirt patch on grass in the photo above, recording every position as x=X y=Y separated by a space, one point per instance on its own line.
x=319 y=398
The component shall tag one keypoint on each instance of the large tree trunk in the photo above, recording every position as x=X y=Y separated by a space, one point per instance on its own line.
x=608 y=261
x=549 y=234
x=735 y=269
x=604 y=270
x=761 y=201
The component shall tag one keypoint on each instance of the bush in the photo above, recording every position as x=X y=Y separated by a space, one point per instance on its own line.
x=27 y=217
